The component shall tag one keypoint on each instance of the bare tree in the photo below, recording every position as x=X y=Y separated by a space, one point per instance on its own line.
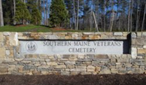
x=40 y=7
x=14 y=3
x=39 y=4
x=143 y=21
x=47 y=6
x=131 y=27
x=129 y=15
x=137 y=15
x=90 y=21
x=74 y=14
x=24 y=1
x=95 y=15
x=77 y=21
x=96 y=24
x=119 y=18
x=1 y=14
x=37 y=1
x=44 y=9
x=105 y=2
x=112 y=16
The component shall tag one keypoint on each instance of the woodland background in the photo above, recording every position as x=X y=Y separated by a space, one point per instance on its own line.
x=92 y=15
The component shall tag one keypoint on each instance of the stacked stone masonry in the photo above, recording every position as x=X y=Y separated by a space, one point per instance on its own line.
x=12 y=62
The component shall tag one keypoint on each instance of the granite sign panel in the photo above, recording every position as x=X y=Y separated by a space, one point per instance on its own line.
x=71 y=47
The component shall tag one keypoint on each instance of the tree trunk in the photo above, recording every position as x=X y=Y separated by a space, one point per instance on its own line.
x=14 y=3
x=90 y=16
x=1 y=14
x=104 y=15
x=112 y=17
x=143 y=21
x=24 y=21
x=112 y=21
x=24 y=1
x=129 y=16
x=96 y=15
x=74 y=14
x=119 y=28
x=40 y=9
x=96 y=24
x=39 y=5
x=44 y=12
x=37 y=2
x=47 y=6
x=131 y=27
x=137 y=15
x=77 y=27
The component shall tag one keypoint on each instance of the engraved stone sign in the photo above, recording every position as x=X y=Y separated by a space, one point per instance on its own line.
x=71 y=47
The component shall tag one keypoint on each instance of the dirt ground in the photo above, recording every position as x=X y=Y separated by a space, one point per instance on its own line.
x=73 y=80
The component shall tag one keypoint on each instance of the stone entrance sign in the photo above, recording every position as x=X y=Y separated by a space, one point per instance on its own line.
x=71 y=47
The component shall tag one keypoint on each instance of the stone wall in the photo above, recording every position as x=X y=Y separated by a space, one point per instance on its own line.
x=12 y=62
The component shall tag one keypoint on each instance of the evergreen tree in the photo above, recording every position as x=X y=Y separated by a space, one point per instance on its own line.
x=69 y=6
x=32 y=6
x=9 y=11
x=59 y=14
x=36 y=16
x=22 y=14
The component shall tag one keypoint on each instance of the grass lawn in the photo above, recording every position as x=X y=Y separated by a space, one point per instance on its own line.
x=33 y=28
x=39 y=28
x=27 y=28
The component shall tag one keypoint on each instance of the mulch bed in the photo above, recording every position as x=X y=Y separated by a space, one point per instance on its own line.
x=73 y=80
x=58 y=29
x=20 y=25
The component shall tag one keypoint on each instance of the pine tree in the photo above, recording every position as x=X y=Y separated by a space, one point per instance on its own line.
x=59 y=14
x=22 y=14
x=9 y=8
x=32 y=6
x=36 y=16
x=69 y=6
